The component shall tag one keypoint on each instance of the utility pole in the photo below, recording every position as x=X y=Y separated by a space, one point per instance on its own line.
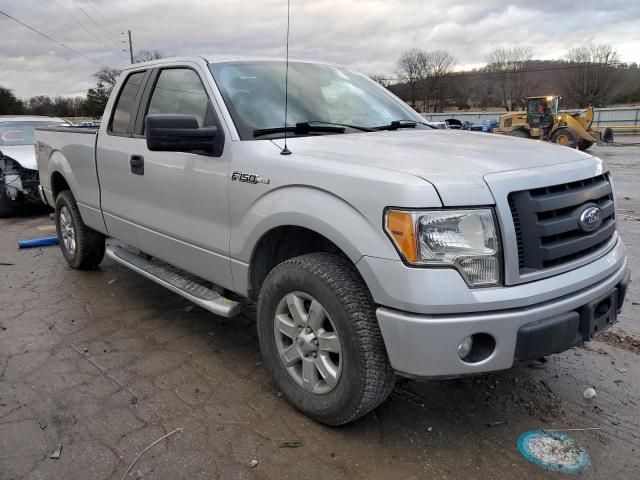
x=130 y=47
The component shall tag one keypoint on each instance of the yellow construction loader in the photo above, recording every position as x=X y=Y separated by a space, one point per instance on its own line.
x=542 y=121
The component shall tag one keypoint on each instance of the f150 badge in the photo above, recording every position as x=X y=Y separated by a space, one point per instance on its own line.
x=248 y=178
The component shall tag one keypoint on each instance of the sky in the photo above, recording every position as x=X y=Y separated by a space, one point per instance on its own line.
x=368 y=35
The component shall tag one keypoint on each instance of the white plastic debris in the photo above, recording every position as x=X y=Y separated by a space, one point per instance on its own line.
x=253 y=464
x=55 y=455
x=589 y=393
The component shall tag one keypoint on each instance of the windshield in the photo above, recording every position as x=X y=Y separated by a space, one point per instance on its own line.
x=254 y=94
x=22 y=133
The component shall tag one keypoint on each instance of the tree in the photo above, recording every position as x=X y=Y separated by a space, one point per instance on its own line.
x=593 y=71
x=435 y=67
x=108 y=77
x=41 y=105
x=9 y=103
x=510 y=66
x=96 y=100
x=381 y=79
x=410 y=69
x=147 y=55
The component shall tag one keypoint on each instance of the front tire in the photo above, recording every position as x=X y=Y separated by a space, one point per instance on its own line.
x=585 y=144
x=565 y=137
x=82 y=247
x=320 y=339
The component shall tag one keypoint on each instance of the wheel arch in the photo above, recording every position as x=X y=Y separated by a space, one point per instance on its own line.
x=282 y=243
x=304 y=220
x=58 y=184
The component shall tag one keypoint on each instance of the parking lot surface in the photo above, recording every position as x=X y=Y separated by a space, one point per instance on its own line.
x=105 y=363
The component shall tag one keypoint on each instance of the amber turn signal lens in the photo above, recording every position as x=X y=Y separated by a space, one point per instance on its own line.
x=402 y=229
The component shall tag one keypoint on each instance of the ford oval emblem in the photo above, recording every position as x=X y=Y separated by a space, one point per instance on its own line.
x=590 y=219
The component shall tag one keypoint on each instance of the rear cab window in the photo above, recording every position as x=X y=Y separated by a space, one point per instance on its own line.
x=123 y=113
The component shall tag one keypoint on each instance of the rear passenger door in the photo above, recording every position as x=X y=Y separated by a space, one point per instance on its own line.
x=180 y=202
x=116 y=144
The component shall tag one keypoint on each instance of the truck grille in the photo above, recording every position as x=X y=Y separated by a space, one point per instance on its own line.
x=547 y=222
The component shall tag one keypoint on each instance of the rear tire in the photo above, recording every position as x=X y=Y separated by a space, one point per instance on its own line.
x=360 y=374
x=519 y=133
x=565 y=137
x=82 y=247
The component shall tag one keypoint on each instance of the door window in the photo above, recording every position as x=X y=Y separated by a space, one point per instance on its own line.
x=179 y=91
x=126 y=103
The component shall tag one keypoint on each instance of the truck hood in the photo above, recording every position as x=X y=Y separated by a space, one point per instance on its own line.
x=25 y=155
x=455 y=162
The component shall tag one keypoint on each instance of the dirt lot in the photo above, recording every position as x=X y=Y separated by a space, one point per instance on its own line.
x=105 y=363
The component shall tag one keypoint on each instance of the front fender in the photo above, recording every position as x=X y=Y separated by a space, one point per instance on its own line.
x=318 y=210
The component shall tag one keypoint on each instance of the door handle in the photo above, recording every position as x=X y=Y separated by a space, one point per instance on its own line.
x=137 y=164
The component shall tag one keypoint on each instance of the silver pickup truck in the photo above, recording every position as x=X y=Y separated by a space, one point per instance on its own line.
x=373 y=244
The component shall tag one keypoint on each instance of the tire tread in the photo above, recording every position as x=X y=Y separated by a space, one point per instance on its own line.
x=376 y=373
x=90 y=245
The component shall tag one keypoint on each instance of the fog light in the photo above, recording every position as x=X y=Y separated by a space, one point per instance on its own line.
x=464 y=349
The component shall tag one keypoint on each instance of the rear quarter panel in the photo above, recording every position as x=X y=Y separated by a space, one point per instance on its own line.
x=72 y=155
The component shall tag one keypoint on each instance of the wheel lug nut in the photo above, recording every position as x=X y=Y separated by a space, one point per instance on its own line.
x=314 y=354
x=315 y=342
x=309 y=330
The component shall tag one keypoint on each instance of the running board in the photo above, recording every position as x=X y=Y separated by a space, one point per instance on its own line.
x=175 y=280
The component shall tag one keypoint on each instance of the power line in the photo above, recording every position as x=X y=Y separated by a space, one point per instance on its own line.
x=107 y=22
x=54 y=40
x=55 y=94
x=109 y=34
x=56 y=60
x=79 y=23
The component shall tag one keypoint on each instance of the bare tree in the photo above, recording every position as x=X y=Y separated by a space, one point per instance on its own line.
x=381 y=78
x=410 y=69
x=436 y=65
x=147 y=55
x=510 y=66
x=592 y=74
x=108 y=77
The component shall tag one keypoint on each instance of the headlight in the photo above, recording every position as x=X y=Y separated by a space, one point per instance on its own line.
x=464 y=239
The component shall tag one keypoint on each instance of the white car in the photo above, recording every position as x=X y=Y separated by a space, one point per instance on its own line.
x=18 y=169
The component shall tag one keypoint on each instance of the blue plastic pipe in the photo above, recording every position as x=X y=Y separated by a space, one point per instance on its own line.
x=38 y=242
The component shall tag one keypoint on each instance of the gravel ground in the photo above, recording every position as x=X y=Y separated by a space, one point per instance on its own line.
x=104 y=363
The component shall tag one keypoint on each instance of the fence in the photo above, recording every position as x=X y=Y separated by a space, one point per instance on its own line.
x=603 y=117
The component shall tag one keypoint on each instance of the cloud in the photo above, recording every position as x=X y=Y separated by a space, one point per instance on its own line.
x=366 y=34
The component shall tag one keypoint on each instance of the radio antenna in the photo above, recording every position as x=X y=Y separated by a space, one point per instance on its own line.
x=285 y=150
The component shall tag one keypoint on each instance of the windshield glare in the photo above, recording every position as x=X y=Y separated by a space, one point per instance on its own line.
x=21 y=133
x=254 y=94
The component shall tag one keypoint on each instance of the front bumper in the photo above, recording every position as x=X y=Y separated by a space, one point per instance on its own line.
x=421 y=345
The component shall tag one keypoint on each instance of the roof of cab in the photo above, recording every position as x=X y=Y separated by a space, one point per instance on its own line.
x=213 y=59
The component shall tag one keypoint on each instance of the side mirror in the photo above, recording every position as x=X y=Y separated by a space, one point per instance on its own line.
x=178 y=133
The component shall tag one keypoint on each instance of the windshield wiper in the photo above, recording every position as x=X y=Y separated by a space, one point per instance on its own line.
x=346 y=125
x=300 y=128
x=396 y=124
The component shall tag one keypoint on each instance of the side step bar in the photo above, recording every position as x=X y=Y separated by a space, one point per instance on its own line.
x=175 y=280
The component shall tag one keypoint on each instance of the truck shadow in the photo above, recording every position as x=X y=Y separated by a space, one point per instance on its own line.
x=186 y=355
